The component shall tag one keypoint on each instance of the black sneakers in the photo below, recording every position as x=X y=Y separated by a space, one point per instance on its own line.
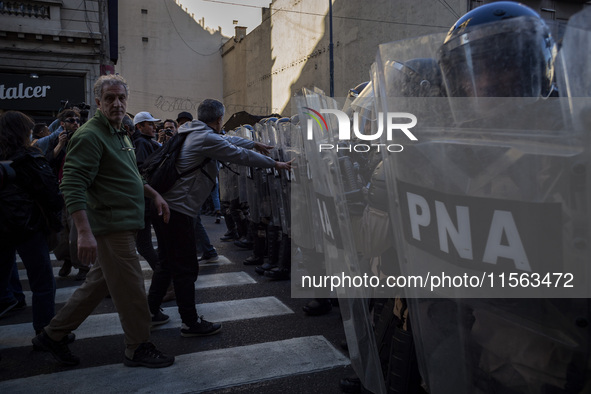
x=66 y=268
x=71 y=337
x=59 y=349
x=253 y=260
x=201 y=328
x=159 y=318
x=146 y=355
x=209 y=257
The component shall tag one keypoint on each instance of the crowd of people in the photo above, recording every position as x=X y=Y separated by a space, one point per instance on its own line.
x=102 y=211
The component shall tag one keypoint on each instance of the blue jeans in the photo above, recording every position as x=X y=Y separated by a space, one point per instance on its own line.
x=215 y=196
x=35 y=255
x=14 y=287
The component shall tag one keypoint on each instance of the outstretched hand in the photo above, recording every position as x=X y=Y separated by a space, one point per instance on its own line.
x=281 y=165
x=263 y=148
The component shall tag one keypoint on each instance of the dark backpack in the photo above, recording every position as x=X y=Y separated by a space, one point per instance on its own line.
x=159 y=168
x=32 y=202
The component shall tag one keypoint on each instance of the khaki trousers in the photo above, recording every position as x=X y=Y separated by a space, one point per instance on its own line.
x=117 y=272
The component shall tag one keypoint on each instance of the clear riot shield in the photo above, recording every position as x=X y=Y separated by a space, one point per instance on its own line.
x=261 y=175
x=247 y=181
x=229 y=177
x=491 y=216
x=271 y=137
x=574 y=73
x=340 y=254
x=283 y=178
x=242 y=170
x=305 y=226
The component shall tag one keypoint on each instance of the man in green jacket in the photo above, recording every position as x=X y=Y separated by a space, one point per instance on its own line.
x=104 y=193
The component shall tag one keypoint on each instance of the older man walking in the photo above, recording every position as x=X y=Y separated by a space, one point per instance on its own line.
x=104 y=193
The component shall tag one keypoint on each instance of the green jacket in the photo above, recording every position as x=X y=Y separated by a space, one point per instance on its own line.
x=101 y=177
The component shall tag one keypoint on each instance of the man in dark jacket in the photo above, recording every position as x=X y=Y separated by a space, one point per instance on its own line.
x=145 y=145
x=176 y=239
x=144 y=141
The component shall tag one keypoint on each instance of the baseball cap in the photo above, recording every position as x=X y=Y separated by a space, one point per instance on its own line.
x=186 y=115
x=144 y=117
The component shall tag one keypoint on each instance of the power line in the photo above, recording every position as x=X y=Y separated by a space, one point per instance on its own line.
x=183 y=40
x=450 y=8
x=334 y=16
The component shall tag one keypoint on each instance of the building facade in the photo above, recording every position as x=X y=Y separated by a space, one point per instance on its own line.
x=51 y=52
x=170 y=61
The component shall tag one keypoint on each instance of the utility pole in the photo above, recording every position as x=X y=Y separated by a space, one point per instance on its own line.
x=330 y=49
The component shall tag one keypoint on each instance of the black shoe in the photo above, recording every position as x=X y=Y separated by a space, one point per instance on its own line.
x=81 y=275
x=159 y=318
x=59 y=349
x=229 y=237
x=278 y=273
x=350 y=384
x=146 y=355
x=66 y=269
x=7 y=306
x=317 y=307
x=201 y=328
x=265 y=267
x=244 y=244
x=209 y=257
x=71 y=337
x=253 y=260
x=218 y=217
x=20 y=305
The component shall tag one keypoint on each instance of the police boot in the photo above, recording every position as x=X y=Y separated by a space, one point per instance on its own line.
x=273 y=242
x=317 y=307
x=283 y=269
x=247 y=240
x=259 y=245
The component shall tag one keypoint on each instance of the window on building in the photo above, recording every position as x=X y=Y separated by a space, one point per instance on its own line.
x=145 y=39
x=24 y=8
x=144 y=11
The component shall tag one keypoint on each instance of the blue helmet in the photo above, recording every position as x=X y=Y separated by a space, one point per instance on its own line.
x=500 y=49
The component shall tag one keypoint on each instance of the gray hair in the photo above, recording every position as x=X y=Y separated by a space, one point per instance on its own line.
x=127 y=121
x=109 y=80
x=210 y=110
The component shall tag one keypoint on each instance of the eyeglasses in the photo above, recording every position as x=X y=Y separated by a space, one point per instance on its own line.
x=73 y=120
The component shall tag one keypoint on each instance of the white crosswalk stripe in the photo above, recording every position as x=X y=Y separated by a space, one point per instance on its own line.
x=201 y=371
x=145 y=267
x=203 y=282
x=94 y=326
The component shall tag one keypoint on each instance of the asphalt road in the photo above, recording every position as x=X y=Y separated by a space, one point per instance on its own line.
x=267 y=345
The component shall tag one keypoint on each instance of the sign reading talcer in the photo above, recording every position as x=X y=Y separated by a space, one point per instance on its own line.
x=23 y=92
x=482 y=233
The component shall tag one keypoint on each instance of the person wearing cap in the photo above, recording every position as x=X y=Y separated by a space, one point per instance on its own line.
x=184 y=117
x=144 y=141
x=145 y=145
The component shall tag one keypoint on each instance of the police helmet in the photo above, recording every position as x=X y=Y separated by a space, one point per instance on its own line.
x=500 y=49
